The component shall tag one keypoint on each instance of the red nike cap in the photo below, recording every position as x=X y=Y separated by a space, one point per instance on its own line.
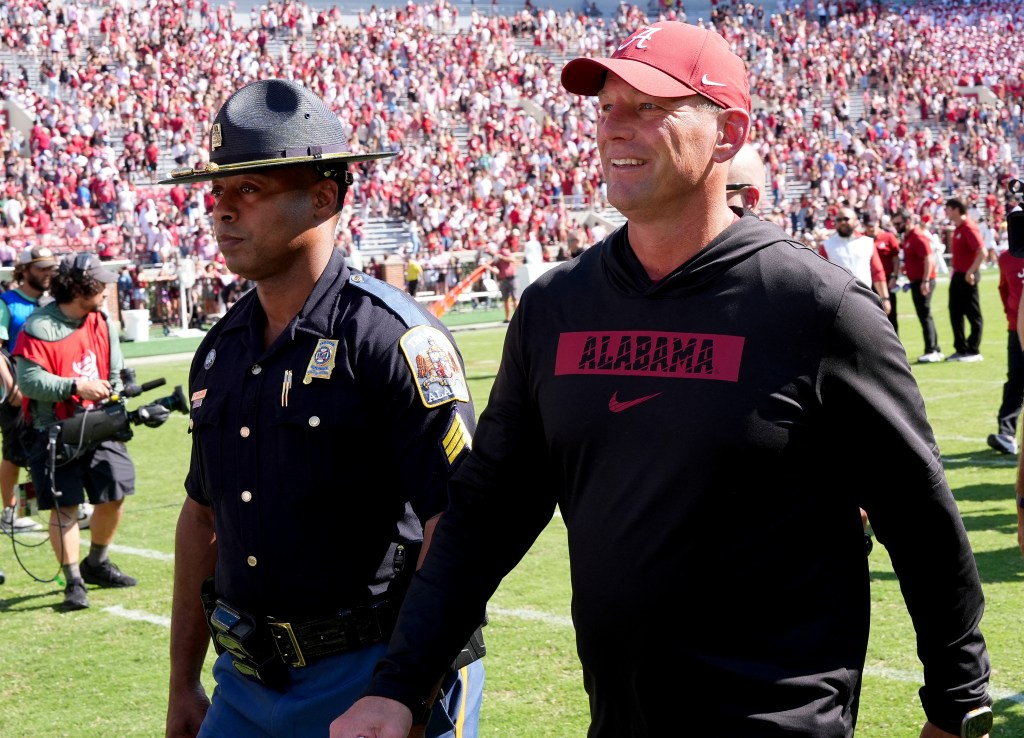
x=668 y=59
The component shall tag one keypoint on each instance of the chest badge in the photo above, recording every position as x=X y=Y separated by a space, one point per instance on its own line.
x=436 y=366
x=210 y=358
x=321 y=363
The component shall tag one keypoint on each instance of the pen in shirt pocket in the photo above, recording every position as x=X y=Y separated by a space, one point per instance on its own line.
x=286 y=386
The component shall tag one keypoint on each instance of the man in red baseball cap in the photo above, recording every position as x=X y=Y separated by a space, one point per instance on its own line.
x=679 y=392
x=668 y=59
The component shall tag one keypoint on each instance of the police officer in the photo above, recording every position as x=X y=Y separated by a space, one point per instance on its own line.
x=327 y=412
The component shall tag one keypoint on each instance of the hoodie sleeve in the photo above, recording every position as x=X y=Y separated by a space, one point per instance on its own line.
x=872 y=402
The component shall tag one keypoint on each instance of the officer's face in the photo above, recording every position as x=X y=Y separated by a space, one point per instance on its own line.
x=264 y=222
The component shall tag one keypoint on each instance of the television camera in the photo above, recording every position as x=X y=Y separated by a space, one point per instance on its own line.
x=112 y=419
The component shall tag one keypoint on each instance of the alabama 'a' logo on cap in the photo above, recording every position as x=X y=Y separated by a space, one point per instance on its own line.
x=639 y=39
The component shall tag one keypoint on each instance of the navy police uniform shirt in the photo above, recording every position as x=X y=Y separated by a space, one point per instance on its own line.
x=322 y=452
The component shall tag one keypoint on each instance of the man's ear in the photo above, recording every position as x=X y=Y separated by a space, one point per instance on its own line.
x=751 y=197
x=733 y=127
x=325 y=197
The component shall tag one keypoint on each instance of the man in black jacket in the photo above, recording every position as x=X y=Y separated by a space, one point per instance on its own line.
x=678 y=392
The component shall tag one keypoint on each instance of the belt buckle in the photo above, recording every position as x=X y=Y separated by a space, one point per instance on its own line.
x=299 y=659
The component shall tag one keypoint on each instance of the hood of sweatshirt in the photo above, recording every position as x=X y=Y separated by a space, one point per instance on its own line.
x=735 y=244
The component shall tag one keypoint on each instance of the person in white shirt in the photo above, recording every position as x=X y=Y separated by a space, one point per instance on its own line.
x=856 y=253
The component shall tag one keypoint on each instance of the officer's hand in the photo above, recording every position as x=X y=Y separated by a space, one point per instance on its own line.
x=186 y=710
x=93 y=389
x=373 y=717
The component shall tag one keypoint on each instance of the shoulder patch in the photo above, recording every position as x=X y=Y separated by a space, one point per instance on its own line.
x=398 y=302
x=435 y=366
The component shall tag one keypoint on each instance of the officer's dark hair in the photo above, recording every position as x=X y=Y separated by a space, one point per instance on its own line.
x=957 y=205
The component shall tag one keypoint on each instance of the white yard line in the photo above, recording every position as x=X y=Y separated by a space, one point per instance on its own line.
x=138 y=615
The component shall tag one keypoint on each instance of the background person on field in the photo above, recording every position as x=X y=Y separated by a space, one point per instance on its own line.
x=919 y=268
x=68 y=357
x=32 y=276
x=856 y=253
x=888 y=249
x=746 y=179
x=968 y=254
x=1011 y=274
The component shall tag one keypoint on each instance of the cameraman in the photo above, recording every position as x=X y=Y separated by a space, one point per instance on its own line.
x=68 y=358
x=32 y=276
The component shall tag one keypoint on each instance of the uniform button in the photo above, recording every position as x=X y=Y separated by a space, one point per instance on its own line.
x=246 y=496
x=256 y=369
x=314 y=421
x=244 y=432
x=250 y=560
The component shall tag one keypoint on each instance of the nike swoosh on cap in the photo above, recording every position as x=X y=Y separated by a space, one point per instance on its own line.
x=617 y=407
x=708 y=83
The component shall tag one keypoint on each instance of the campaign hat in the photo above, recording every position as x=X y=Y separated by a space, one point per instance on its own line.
x=668 y=59
x=269 y=124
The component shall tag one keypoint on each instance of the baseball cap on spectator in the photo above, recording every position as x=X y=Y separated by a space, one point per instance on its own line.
x=86 y=263
x=39 y=256
x=871 y=219
x=668 y=59
x=269 y=124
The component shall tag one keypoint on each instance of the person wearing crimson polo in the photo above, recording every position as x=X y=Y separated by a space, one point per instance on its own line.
x=888 y=249
x=920 y=270
x=968 y=254
x=1011 y=284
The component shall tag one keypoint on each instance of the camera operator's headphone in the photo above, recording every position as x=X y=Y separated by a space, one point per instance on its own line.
x=76 y=266
x=82 y=262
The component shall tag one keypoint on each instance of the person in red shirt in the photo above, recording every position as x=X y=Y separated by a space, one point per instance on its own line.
x=968 y=253
x=919 y=267
x=888 y=249
x=1011 y=284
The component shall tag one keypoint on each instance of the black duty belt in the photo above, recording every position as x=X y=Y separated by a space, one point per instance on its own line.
x=301 y=643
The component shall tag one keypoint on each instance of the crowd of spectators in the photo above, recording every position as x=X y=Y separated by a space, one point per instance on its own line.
x=489 y=140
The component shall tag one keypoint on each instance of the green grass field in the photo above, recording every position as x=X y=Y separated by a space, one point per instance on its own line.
x=103 y=671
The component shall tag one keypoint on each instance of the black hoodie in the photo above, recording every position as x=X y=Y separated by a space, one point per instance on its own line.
x=709 y=440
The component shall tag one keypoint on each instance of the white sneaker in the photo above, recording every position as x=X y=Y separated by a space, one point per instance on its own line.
x=84 y=515
x=931 y=358
x=1003 y=444
x=11 y=524
x=971 y=358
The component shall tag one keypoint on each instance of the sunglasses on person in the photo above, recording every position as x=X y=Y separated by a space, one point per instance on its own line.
x=732 y=187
